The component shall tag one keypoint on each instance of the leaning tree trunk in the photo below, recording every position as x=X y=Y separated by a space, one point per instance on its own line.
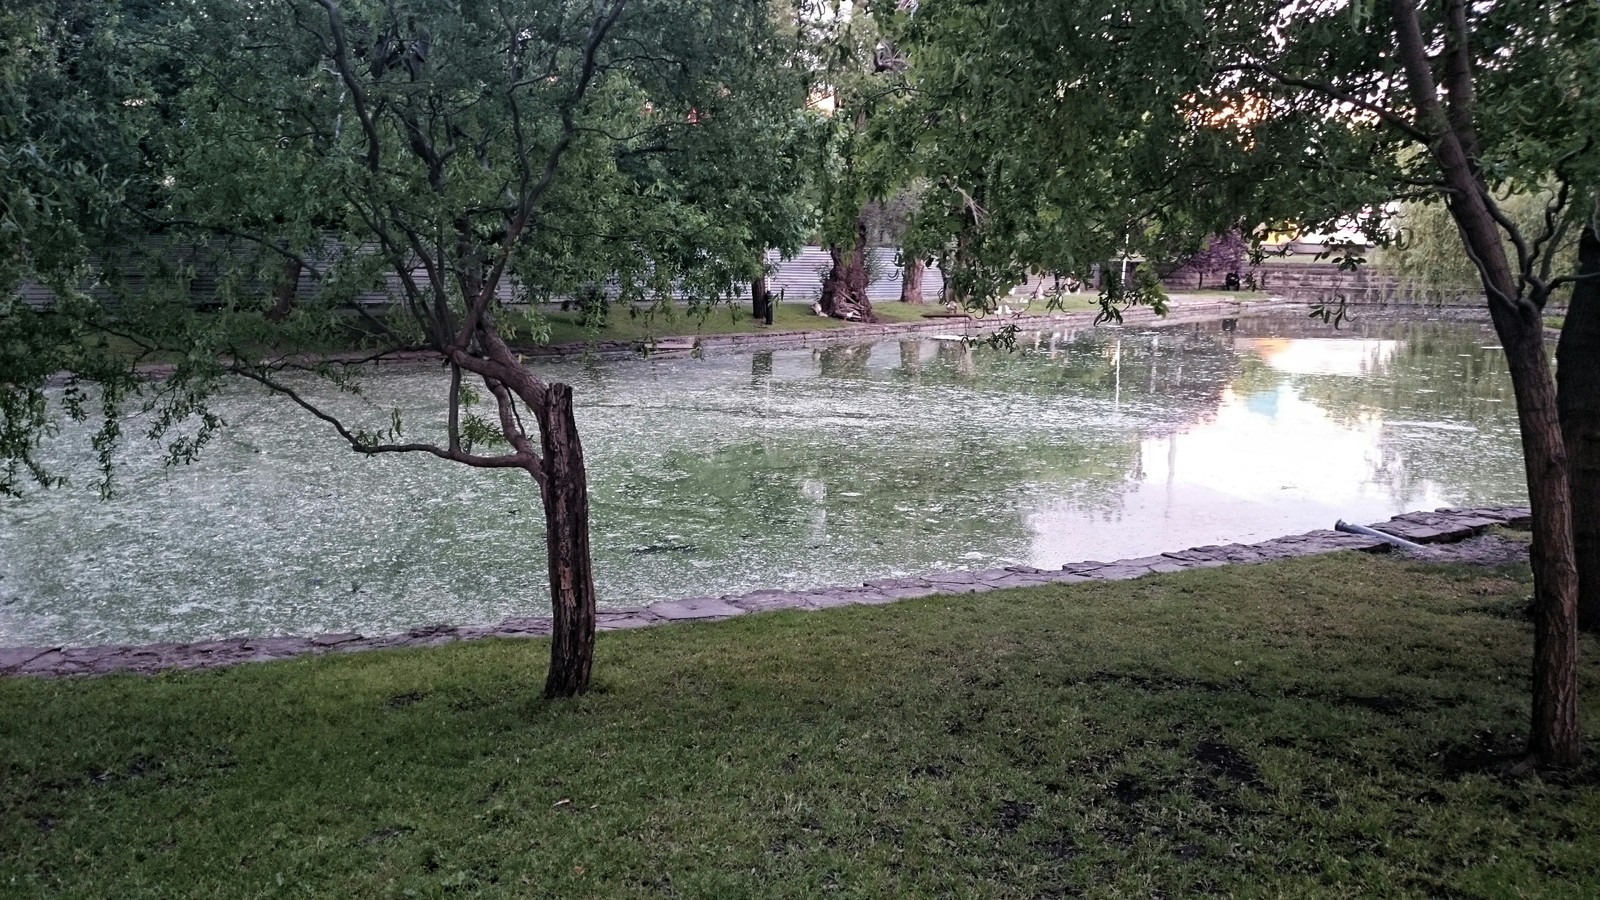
x=566 y=511
x=1554 y=737
x=1578 y=398
x=911 y=281
x=844 y=290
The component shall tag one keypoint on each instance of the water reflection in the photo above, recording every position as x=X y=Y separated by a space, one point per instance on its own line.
x=794 y=467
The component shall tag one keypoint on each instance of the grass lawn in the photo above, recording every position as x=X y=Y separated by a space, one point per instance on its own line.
x=1329 y=726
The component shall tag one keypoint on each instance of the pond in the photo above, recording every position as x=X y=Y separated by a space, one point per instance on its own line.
x=788 y=468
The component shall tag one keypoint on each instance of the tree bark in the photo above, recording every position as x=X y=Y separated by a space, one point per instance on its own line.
x=1554 y=738
x=954 y=288
x=565 y=490
x=760 y=300
x=1578 y=399
x=911 y=281
x=283 y=296
x=844 y=290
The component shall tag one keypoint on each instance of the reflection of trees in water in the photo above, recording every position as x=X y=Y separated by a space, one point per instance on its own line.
x=904 y=454
x=1178 y=372
x=1436 y=382
x=977 y=483
x=1370 y=324
x=843 y=360
x=1433 y=373
x=760 y=367
x=926 y=498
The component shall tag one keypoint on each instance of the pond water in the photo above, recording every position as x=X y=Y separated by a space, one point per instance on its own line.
x=787 y=468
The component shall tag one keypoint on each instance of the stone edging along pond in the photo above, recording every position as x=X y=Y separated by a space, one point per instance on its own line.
x=1441 y=526
x=1180 y=311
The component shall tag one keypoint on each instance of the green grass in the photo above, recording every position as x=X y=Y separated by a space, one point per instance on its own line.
x=1324 y=727
x=1555 y=322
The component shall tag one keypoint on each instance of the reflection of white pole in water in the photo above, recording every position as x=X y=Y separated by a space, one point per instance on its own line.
x=1127 y=240
x=1155 y=354
x=816 y=490
x=1055 y=338
x=1172 y=469
x=1116 y=374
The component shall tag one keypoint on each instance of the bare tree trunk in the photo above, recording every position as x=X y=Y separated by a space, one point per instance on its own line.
x=1578 y=399
x=760 y=300
x=566 y=511
x=844 y=291
x=283 y=296
x=911 y=281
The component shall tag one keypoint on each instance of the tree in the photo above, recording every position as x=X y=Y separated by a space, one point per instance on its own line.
x=853 y=66
x=476 y=160
x=1427 y=253
x=1269 y=111
x=1220 y=255
x=1024 y=174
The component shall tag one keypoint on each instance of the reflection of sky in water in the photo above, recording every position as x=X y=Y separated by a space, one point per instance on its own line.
x=787 y=468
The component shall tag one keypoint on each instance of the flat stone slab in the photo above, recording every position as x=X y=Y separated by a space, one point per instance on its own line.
x=1438 y=526
x=764 y=600
x=14 y=658
x=697 y=608
x=623 y=623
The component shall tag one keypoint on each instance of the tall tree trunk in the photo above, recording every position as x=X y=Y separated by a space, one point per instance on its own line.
x=566 y=511
x=911 y=281
x=760 y=300
x=1578 y=398
x=1554 y=737
x=283 y=295
x=957 y=279
x=844 y=290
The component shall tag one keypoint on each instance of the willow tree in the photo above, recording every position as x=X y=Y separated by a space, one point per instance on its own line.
x=467 y=161
x=1099 y=117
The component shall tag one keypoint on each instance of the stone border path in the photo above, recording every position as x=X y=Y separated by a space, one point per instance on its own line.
x=1182 y=310
x=1442 y=526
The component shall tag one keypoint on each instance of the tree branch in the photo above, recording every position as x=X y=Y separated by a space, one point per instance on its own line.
x=1388 y=116
x=1476 y=222
x=358 y=97
x=528 y=202
x=1461 y=97
x=511 y=424
x=507 y=461
x=158 y=224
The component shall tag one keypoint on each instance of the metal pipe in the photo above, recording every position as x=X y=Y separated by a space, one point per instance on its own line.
x=1348 y=528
